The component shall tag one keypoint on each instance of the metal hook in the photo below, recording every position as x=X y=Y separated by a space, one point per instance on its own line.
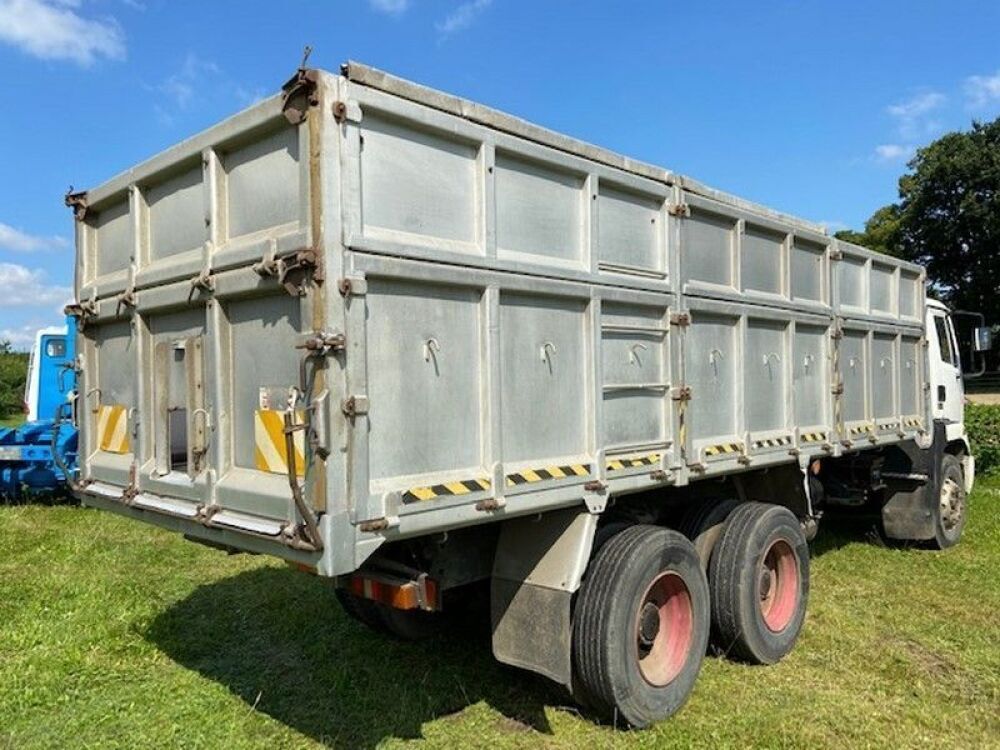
x=883 y=361
x=431 y=348
x=633 y=355
x=548 y=349
x=90 y=393
x=767 y=363
x=852 y=362
x=807 y=361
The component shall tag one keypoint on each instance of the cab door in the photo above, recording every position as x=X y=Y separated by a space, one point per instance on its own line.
x=947 y=392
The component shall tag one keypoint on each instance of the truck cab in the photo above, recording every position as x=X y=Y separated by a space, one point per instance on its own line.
x=47 y=385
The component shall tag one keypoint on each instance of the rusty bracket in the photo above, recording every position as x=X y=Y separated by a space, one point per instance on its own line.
x=836 y=254
x=299 y=94
x=376 y=524
x=681 y=210
x=323 y=343
x=490 y=503
x=659 y=475
x=130 y=491
x=596 y=485
x=681 y=393
x=292 y=270
x=126 y=299
x=82 y=311
x=352 y=406
x=339 y=110
x=682 y=319
x=78 y=202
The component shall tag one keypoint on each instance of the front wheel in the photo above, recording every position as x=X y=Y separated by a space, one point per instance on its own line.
x=949 y=513
x=641 y=625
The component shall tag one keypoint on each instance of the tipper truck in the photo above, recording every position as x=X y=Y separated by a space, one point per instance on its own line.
x=422 y=348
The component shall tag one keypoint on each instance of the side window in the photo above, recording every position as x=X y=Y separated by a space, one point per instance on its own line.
x=55 y=348
x=944 y=340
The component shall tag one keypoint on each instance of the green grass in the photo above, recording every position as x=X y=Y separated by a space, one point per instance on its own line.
x=12 y=420
x=117 y=635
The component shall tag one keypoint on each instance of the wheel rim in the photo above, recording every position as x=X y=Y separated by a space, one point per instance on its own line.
x=778 y=585
x=664 y=629
x=952 y=504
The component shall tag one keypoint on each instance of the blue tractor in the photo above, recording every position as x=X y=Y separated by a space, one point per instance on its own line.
x=39 y=456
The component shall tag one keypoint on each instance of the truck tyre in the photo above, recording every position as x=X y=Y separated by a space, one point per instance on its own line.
x=641 y=625
x=949 y=513
x=364 y=611
x=759 y=583
x=703 y=525
x=404 y=624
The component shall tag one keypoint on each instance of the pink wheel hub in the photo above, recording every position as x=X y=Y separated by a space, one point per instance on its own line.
x=778 y=585
x=664 y=629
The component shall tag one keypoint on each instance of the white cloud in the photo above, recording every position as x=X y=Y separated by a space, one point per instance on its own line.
x=390 y=7
x=982 y=91
x=23 y=337
x=27 y=287
x=462 y=17
x=889 y=153
x=22 y=242
x=180 y=87
x=913 y=115
x=55 y=30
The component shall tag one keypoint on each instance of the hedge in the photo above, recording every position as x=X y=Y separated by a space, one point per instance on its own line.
x=982 y=421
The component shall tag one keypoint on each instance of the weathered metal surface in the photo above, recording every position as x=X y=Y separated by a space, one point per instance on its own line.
x=520 y=317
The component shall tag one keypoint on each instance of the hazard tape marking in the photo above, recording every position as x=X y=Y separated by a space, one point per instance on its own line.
x=813 y=437
x=773 y=442
x=527 y=476
x=862 y=429
x=447 y=489
x=628 y=463
x=723 y=449
x=913 y=422
x=269 y=446
x=112 y=428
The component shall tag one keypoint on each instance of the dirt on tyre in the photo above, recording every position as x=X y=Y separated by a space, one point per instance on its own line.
x=641 y=626
x=950 y=512
x=703 y=525
x=759 y=584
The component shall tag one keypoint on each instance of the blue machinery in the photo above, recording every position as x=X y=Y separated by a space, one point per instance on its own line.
x=37 y=456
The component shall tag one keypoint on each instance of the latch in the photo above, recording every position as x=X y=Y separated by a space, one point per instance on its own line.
x=126 y=299
x=78 y=202
x=352 y=406
x=682 y=319
x=292 y=270
x=322 y=343
x=82 y=311
x=203 y=281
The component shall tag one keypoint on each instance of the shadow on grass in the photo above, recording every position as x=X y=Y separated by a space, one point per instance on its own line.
x=279 y=640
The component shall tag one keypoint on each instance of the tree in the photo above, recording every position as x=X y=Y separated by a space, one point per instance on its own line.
x=13 y=373
x=948 y=218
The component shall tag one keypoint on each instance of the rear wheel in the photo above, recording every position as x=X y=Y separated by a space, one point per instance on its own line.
x=703 y=525
x=759 y=583
x=641 y=625
x=949 y=515
x=405 y=624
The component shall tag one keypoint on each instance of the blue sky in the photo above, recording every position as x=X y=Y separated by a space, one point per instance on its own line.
x=809 y=107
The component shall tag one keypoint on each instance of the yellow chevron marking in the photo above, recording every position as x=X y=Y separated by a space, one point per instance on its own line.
x=457 y=488
x=423 y=493
x=581 y=471
x=615 y=465
x=556 y=472
x=483 y=483
x=530 y=475
x=270 y=450
x=112 y=428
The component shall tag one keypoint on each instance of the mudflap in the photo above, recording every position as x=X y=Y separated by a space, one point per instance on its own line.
x=913 y=484
x=539 y=565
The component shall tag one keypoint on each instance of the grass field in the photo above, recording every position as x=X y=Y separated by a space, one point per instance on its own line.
x=116 y=635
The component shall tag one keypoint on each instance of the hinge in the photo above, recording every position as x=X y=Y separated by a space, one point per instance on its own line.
x=352 y=287
x=299 y=92
x=837 y=390
x=681 y=393
x=352 y=406
x=681 y=210
x=292 y=270
x=681 y=319
x=82 y=311
x=126 y=299
x=78 y=202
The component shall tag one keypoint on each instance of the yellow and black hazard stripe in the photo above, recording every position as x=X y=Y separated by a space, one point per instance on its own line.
x=723 y=449
x=813 y=437
x=270 y=447
x=447 y=489
x=112 y=428
x=527 y=476
x=616 y=464
x=862 y=429
x=775 y=442
x=913 y=422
